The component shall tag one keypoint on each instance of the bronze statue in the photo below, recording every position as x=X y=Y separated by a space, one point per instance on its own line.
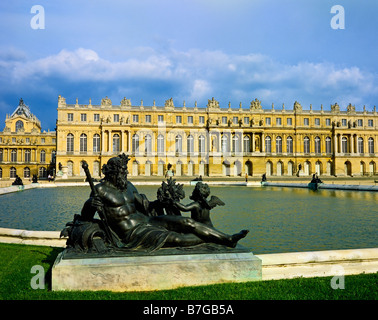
x=200 y=208
x=126 y=221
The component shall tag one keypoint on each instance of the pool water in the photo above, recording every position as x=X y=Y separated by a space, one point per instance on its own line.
x=279 y=219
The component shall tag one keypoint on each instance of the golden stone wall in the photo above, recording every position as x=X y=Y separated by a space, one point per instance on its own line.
x=218 y=141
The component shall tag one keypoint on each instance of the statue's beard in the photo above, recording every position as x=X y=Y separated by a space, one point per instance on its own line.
x=121 y=182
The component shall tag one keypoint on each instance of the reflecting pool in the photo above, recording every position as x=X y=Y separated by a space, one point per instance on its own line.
x=279 y=219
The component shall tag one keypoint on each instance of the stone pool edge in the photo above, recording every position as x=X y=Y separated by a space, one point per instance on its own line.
x=275 y=266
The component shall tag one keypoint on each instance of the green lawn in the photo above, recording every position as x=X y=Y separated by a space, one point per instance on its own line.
x=16 y=262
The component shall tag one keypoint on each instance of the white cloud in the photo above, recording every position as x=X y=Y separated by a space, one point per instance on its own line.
x=199 y=75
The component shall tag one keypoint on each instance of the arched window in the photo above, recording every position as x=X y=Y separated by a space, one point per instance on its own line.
x=317 y=145
x=201 y=144
x=83 y=143
x=26 y=172
x=19 y=125
x=190 y=144
x=178 y=144
x=247 y=144
x=160 y=144
x=236 y=143
x=360 y=145
x=43 y=156
x=148 y=144
x=268 y=144
x=225 y=143
x=289 y=145
x=344 y=145
x=116 y=143
x=96 y=143
x=12 y=172
x=14 y=155
x=328 y=145
x=135 y=143
x=371 y=145
x=306 y=145
x=278 y=144
x=70 y=142
x=27 y=155
x=42 y=172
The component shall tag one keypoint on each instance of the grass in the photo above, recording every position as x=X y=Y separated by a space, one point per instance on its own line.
x=16 y=262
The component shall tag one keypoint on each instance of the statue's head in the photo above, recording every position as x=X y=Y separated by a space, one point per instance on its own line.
x=201 y=191
x=115 y=170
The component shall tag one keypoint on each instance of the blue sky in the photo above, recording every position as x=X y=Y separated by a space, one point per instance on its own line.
x=278 y=51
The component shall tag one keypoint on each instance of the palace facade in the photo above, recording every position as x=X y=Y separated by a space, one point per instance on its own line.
x=215 y=141
x=24 y=149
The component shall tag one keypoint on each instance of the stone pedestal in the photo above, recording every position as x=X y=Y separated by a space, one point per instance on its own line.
x=64 y=172
x=157 y=271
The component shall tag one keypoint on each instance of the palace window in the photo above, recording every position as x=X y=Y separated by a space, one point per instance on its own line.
x=178 y=144
x=26 y=172
x=12 y=172
x=224 y=120
x=328 y=122
x=116 y=143
x=96 y=117
x=247 y=144
x=371 y=145
x=278 y=145
x=289 y=121
x=160 y=119
x=148 y=144
x=148 y=118
x=268 y=145
x=360 y=123
x=278 y=121
x=70 y=142
x=14 y=155
x=344 y=122
x=178 y=119
x=135 y=118
x=306 y=122
x=246 y=120
x=116 y=118
x=235 y=120
x=344 y=145
x=27 y=154
x=69 y=116
x=43 y=156
x=306 y=145
x=160 y=144
x=317 y=145
x=201 y=144
x=135 y=143
x=289 y=145
x=83 y=143
x=96 y=143
x=370 y=123
x=360 y=145
x=236 y=143
x=225 y=143
x=201 y=119
x=317 y=121
x=19 y=125
x=190 y=144
x=83 y=117
x=328 y=145
x=267 y=121
x=190 y=119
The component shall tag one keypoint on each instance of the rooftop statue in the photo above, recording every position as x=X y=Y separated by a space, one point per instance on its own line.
x=129 y=221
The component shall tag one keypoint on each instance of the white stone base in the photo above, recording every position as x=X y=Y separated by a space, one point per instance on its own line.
x=154 y=272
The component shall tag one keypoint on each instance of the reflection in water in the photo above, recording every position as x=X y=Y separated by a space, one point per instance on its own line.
x=279 y=219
